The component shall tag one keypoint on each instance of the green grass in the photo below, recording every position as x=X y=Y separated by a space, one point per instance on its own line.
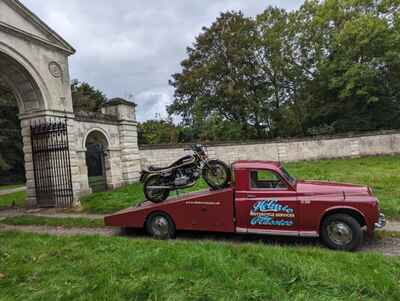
x=41 y=267
x=17 y=198
x=382 y=173
x=111 y=201
x=4 y=187
x=53 y=221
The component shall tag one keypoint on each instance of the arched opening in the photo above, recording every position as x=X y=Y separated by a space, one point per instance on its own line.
x=19 y=95
x=12 y=165
x=96 y=160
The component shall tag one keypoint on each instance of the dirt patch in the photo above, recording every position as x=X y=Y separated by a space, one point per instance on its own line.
x=389 y=246
x=61 y=231
x=13 y=212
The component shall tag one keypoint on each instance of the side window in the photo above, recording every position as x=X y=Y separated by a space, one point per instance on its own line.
x=265 y=179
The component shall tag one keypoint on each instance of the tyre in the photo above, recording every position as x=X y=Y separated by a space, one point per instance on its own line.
x=156 y=195
x=341 y=232
x=216 y=174
x=160 y=226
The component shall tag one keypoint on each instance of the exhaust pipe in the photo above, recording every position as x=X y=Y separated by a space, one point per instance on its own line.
x=172 y=187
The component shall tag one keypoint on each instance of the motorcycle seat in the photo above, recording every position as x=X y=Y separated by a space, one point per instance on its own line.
x=181 y=161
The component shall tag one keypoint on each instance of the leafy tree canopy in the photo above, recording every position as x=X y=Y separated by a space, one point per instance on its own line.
x=330 y=66
x=86 y=97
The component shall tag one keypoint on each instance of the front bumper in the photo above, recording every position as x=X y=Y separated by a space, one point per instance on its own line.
x=381 y=221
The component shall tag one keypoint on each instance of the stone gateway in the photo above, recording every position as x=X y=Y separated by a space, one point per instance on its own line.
x=34 y=65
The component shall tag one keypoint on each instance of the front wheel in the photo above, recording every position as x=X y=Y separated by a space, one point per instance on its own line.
x=341 y=232
x=216 y=174
x=156 y=195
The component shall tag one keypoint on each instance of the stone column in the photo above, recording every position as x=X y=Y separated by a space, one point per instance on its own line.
x=29 y=173
x=130 y=159
x=114 y=172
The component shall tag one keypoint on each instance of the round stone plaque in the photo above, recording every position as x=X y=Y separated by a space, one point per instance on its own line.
x=55 y=69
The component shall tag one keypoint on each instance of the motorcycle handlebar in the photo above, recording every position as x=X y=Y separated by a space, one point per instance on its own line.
x=193 y=147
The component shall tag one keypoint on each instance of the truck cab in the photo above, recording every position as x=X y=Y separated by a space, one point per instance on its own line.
x=264 y=198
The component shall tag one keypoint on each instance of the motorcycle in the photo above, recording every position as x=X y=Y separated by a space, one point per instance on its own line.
x=183 y=173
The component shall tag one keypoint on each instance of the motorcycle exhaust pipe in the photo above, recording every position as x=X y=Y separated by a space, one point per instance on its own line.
x=172 y=187
x=160 y=187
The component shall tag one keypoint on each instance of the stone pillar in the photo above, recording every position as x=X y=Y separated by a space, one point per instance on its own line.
x=113 y=164
x=83 y=173
x=130 y=159
x=29 y=173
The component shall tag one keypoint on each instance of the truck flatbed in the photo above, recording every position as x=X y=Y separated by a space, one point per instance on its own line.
x=203 y=210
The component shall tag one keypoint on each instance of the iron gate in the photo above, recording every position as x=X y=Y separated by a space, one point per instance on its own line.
x=95 y=161
x=51 y=163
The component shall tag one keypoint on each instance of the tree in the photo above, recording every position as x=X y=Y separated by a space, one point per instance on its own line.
x=330 y=66
x=157 y=132
x=221 y=76
x=86 y=98
x=356 y=54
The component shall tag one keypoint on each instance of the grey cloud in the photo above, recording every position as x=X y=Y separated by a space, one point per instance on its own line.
x=132 y=47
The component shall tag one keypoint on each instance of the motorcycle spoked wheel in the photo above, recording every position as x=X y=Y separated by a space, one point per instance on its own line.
x=216 y=174
x=156 y=195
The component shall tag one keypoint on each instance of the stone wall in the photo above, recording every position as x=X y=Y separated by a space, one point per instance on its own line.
x=288 y=150
x=117 y=124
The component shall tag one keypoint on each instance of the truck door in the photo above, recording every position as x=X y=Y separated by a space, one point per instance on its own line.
x=269 y=205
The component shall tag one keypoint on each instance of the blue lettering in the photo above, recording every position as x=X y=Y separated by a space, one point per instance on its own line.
x=270 y=205
x=267 y=220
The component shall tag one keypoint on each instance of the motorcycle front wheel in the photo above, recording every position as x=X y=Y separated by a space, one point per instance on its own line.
x=216 y=174
x=156 y=195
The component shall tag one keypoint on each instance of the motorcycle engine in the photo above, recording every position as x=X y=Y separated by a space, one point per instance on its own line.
x=181 y=181
x=185 y=176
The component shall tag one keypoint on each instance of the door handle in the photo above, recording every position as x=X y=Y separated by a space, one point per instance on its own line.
x=251 y=196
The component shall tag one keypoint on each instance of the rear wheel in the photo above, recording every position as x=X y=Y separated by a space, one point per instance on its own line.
x=156 y=195
x=160 y=226
x=341 y=232
x=216 y=174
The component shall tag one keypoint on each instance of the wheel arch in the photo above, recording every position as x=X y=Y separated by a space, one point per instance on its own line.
x=353 y=212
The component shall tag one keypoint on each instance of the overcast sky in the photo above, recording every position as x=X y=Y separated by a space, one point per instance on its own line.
x=128 y=47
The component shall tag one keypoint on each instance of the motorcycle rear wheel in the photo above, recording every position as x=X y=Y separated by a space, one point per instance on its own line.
x=216 y=174
x=155 y=195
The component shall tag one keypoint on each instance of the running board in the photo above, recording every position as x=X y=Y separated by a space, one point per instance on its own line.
x=278 y=232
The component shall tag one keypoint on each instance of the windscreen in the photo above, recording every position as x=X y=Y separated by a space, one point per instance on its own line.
x=288 y=177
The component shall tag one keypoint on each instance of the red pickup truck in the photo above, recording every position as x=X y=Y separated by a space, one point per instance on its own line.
x=264 y=199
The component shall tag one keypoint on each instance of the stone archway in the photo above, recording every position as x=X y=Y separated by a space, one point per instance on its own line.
x=97 y=160
x=34 y=65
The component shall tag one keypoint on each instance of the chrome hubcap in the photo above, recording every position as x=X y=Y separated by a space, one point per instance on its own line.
x=160 y=226
x=340 y=233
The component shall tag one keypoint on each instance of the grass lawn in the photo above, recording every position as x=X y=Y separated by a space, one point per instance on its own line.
x=53 y=221
x=17 y=197
x=381 y=173
x=111 y=201
x=41 y=267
